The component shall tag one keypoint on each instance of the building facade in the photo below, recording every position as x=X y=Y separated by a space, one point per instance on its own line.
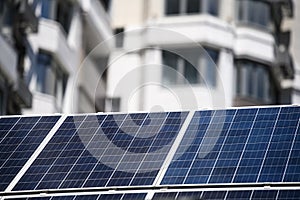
x=17 y=21
x=194 y=54
x=60 y=77
x=44 y=46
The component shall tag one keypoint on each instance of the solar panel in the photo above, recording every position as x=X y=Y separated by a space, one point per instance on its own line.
x=19 y=138
x=139 y=154
x=252 y=145
x=130 y=196
x=104 y=150
x=231 y=195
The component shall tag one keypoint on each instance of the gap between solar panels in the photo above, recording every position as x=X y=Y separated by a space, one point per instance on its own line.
x=152 y=189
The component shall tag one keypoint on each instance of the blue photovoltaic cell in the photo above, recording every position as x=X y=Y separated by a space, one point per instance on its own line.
x=277 y=156
x=195 y=157
x=19 y=139
x=104 y=150
x=177 y=195
x=239 y=195
x=264 y=195
x=288 y=195
x=238 y=146
x=213 y=195
x=256 y=146
x=232 y=195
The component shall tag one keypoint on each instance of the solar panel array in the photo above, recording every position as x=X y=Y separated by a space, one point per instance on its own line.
x=139 y=154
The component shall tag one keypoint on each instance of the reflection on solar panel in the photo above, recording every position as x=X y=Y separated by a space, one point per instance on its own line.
x=210 y=154
x=99 y=151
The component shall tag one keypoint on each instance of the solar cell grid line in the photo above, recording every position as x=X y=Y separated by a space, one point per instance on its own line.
x=269 y=143
x=184 y=155
x=194 y=158
x=56 y=159
x=42 y=164
x=105 y=126
x=280 y=144
x=238 y=195
x=288 y=195
x=244 y=148
x=141 y=167
x=148 y=154
x=292 y=170
x=256 y=146
x=233 y=146
x=7 y=124
x=211 y=144
x=110 y=127
x=213 y=195
x=88 y=143
x=16 y=148
x=172 y=151
x=222 y=145
x=47 y=125
x=290 y=153
x=130 y=143
x=80 y=170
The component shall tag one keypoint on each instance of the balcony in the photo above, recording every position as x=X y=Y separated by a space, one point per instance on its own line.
x=8 y=61
x=253 y=43
x=52 y=38
x=190 y=29
x=97 y=28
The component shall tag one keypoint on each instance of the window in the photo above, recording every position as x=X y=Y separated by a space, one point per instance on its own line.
x=253 y=81
x=119 y=32
x=190 y=66
x=185 y=7
x=6 y=20
x=113 y=104
x=254 y=12
x=61 y=11
x=64 y=14
x=106 y=4
x=51 y=79
x=46 y=6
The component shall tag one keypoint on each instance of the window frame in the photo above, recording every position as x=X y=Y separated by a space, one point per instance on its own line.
x=203 y=61
x=183 y=8
x=51 y=71
x=243 y=14
x=248 y=81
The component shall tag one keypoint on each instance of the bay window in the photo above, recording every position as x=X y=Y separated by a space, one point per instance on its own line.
x=189 y=66
x=253 y=81
x=51 y=78
x=186 y=7
x=254 y=12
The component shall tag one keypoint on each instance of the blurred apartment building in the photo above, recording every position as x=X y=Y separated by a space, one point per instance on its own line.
x=43 y=45
x=255 y=45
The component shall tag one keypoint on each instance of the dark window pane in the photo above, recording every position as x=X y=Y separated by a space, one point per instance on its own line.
x=191 y=73
x=213 y=7
x=170 y=67
x=172 y=7
x=193 y=6
x=46 y=8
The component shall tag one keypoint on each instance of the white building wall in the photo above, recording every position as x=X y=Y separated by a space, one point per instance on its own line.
x=145 y=89
x=295 y=50
x=69 y=50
